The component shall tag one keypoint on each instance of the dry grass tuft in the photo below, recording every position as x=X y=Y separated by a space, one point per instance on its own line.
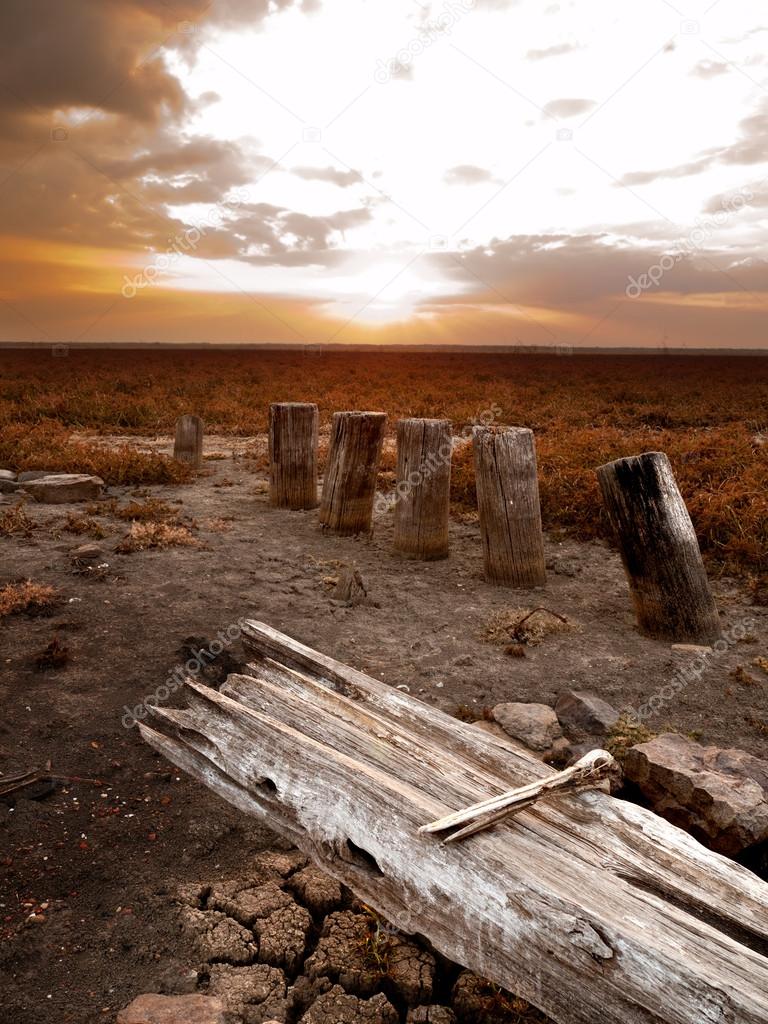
x=761 y=663
x=27 y=598
x=151 y=510
x=15 y=522
x=53 y=657
x=143 y=536
x=217 y=525
x=514 y=627
x=740 y=675
x=84 y=526
x=625 y=734
x=47 y=445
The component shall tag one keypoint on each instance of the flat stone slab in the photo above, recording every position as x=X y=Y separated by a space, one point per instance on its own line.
x=34 y=474
x=720 y=796
x=191 y=1009
x=62 y=488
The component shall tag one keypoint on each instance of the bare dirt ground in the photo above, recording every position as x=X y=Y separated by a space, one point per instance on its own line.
x=94 y=861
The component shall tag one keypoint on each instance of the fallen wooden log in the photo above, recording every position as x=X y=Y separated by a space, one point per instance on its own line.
x=593 y=909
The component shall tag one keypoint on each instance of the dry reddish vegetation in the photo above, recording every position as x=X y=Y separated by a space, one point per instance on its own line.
x=709 y=414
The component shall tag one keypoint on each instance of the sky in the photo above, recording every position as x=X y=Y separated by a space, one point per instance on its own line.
x=466 y=172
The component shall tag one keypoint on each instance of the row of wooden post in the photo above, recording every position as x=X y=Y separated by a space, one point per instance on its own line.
x=661 y=556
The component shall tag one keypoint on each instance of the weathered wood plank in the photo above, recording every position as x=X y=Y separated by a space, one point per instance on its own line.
x=594 y=909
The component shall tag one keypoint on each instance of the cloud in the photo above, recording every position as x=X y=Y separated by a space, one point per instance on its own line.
x=121 y=157
x=467 y=174
x=330 y=174
x=564 y=272
x=710 y=69
x=270 y=235
x=558 y=50
x=750 y=148
x=565 y=108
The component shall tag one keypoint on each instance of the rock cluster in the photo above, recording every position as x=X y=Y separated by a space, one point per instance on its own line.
x=720 y=796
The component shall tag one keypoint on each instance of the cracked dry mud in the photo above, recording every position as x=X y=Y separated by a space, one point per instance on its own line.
x=287 y=944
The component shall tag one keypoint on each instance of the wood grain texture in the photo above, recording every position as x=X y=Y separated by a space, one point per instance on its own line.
x=508 y=505
x=423 y=489
x=293 y=430
x=188 y=443
x=595 y=910
x=662 y=560
x=349 y=483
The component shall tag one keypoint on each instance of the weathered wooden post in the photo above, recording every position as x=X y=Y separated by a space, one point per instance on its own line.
x=508 y=503
x=659 y=549
x=349 y=484
x=293 y=455
x=188 y=446
x=422 y=494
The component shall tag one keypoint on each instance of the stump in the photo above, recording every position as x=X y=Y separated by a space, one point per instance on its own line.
x=349 y=484
x=293 y=455
x=508 y=503
x=188 y=446
x=423 y=488
x=667 y=580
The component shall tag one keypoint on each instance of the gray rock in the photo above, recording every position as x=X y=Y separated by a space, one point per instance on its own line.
x=8 y=485
x=535 y=725
x=7 y=474
x=156 y=1009
x=33 y=474
x=720 y=796
x=88 y=554
x=582 y=712
x=62 y=488
x=178 y=979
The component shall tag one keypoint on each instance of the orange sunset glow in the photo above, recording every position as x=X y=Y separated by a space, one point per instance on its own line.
x=475 y=172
